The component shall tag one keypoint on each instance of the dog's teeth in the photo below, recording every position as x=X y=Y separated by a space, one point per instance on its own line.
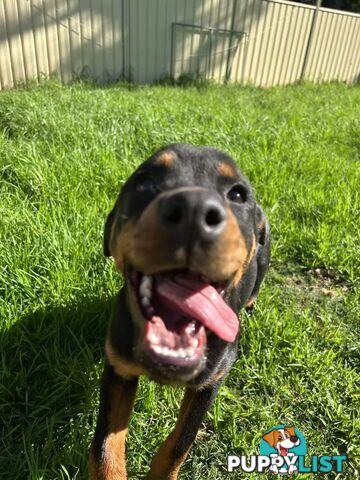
x=146 y=286
x=169 y=352
x=146 y=294
x=145 y=291
x=145 y=302
x=193 y=343
x=189 y=351
x=154 y=339
x=147 y=279
x=159 y=349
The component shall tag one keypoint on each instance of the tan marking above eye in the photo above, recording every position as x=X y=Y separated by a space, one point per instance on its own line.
x=226 y=170
x=166 y=159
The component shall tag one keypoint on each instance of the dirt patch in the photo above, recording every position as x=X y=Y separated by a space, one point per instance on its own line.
x=327 y=282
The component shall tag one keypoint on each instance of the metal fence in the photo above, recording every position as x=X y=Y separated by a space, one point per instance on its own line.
x=263 y=42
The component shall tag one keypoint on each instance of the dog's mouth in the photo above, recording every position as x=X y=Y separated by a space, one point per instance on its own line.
x=283 y=451
x=175 y=309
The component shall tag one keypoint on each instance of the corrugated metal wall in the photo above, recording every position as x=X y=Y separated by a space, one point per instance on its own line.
x=265 y=42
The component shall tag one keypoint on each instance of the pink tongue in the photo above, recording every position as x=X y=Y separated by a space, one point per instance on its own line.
x=283 y=451
x=200 y=301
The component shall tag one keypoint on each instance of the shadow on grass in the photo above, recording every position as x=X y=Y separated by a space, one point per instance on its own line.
x=51 y=360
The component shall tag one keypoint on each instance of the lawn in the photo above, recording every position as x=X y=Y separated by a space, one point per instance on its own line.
x=64 y=154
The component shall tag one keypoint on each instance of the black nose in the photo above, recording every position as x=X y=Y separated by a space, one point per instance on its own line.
x=294 y=438
x=193 y=215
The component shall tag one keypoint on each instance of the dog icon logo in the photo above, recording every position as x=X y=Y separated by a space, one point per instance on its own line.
x=283 y=444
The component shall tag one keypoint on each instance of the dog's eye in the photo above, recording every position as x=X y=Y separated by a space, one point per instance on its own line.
x=237 y=194
x=145 y=184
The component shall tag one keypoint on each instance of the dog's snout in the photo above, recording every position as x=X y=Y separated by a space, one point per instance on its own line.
x=294 y=438
x=190 y=213
x=209 y=218
x=214 y=215
x=173 y=211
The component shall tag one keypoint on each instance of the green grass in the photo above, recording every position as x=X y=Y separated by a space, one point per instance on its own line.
x=64 y=154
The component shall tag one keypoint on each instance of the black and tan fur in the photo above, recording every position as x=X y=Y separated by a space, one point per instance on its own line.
x=135 y=235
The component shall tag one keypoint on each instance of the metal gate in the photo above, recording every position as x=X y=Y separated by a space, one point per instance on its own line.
x=203 y=52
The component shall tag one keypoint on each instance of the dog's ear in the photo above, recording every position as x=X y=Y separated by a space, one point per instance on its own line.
x=107 y=232
x=290 y=431
x=262 y=228
x=271 y=438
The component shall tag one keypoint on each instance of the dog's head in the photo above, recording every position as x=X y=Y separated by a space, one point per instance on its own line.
x=183 y=231
x=282 y=439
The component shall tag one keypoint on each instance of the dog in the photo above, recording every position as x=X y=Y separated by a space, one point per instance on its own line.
x=282 y=439
x=193 y=246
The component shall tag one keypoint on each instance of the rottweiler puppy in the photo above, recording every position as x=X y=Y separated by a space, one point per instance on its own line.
x=193 y=246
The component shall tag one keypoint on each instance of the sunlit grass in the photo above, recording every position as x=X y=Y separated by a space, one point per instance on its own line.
x=64 y=154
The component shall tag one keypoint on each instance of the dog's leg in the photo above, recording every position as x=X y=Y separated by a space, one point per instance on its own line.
x=172 y=453
x=107 y=455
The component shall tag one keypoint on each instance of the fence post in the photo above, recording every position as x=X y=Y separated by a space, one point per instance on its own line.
x=172 y=58
x=310 y=39
x=228 y=70
x=123 y=39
